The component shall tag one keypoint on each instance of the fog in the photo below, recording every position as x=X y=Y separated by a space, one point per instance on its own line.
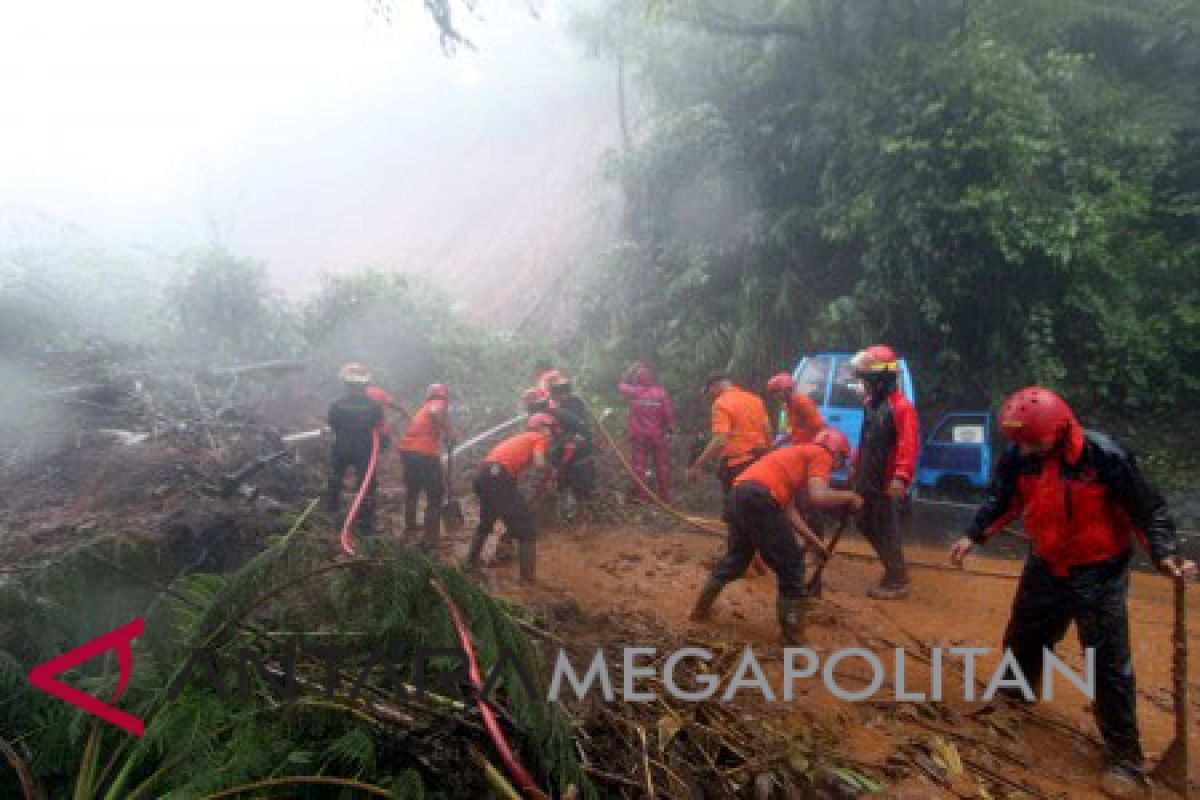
x=312 y=135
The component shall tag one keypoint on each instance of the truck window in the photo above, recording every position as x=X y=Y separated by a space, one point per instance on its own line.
x=847 y=389
x=813 y=379
x=961 y=430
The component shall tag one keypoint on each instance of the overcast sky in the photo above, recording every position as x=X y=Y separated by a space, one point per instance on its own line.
x=307 y=133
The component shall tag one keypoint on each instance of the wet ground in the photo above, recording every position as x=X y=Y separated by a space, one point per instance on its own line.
x=655 y=574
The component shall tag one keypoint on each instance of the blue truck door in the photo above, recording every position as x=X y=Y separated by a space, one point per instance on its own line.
x=958 y=453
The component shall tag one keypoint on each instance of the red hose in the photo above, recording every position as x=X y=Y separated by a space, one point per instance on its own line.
x=365 y=485
x=524 y=780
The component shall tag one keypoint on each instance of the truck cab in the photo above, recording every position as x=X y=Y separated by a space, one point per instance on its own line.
x=829 y=379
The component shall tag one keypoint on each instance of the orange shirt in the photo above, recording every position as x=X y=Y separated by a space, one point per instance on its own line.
x=380 y=396
x=786 y=470
x=804 y=418
x=516 y=453
x=742 y=417
x=423 y=434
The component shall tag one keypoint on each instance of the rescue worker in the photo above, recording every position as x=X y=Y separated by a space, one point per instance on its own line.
x=421 y=448
x=500 y=497
x=885 y=463
x=804 y=420
x=355 y=420
x=741 y=430
x=763 y=516
x=574 y=453
x=1083 y=499
x=651 y=425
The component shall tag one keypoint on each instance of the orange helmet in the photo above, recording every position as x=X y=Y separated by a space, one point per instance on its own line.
x=834 y=441
x=437 y=390
x=354 y=372
x=535 y=397
x=780 y=383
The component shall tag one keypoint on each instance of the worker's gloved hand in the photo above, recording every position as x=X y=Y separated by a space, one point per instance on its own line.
x=1177 y=567
x=960 y=550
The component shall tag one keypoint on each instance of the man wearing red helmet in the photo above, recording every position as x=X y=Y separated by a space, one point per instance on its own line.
x=885 y=463
x=421 y=451
x=763 y=515
x=500 y=497
x=1083 y=501
x=651 y=423
x=803 y=416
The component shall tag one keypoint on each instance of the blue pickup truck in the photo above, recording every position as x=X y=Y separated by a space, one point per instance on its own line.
x=956 y=455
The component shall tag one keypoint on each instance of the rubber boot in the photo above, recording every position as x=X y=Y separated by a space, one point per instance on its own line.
x=708 y=595
x=791 y=618
x=527 y=559
x=475 y=550
x=504 y=550
x=433 y=529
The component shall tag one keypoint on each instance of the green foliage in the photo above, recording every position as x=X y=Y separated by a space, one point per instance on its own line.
x=203 y=742
x=1007 y=191
x=225 y=310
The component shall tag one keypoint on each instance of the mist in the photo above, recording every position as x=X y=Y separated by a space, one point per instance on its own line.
x=314 y=137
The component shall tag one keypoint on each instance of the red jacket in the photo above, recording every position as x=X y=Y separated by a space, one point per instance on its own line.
x=888 y=444
x=1080 y=507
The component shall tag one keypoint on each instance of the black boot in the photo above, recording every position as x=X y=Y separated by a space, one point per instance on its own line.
x=473 y=553
x=791 y=618
x=433 y=530
x=527 y=559
x=708 y=595
x=504 y=550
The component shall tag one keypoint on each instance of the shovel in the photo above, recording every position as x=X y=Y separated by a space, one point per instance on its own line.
x=452 y=513
x=814 y=583
x=1172 y=769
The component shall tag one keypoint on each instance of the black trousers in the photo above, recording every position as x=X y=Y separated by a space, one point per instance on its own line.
x=501 y=499
x=579 y=474
x=880 y=525
x=358 y=461
x=1095 y=598
x=757 y=524
x=423 y=474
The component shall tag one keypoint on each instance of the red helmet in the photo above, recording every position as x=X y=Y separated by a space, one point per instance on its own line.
x=834 y=441
x=876 y=359
x=780 y=383
x=541 y=420
x=1034 y=415
x=437 y=390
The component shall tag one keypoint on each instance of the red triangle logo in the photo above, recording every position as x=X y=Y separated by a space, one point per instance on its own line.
x=44 y=676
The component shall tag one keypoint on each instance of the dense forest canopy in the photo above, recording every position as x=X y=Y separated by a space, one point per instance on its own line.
x=1007 y=191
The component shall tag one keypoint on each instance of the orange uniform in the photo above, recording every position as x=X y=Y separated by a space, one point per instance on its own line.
x=742 y=417
x=787 y=470
x=423 y=434
x=804 y=418
x=516 y=453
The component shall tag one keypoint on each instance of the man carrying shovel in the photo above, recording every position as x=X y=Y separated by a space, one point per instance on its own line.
x=763 y=519
x=1083 y=500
